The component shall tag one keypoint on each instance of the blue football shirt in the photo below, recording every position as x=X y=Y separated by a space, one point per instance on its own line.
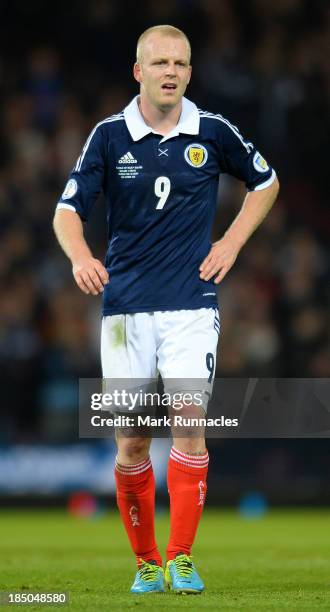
x=161 y=195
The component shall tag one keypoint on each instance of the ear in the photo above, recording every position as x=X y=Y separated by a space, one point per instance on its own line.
x=137 y=72
x=190 y=70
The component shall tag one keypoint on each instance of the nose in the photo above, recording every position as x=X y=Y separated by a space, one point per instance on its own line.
x=171 y=69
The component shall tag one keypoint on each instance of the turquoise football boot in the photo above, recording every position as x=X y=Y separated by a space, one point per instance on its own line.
x=149 y=578
x=181 y=575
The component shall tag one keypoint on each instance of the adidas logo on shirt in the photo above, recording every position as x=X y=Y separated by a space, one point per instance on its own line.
x=127 y=159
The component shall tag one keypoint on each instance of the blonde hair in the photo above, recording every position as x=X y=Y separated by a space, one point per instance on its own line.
x=166 y=30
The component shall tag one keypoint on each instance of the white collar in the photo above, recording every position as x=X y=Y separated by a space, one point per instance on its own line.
x=188 y=122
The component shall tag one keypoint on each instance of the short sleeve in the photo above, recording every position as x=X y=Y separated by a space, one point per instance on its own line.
x=241 y=159
x=86 y=178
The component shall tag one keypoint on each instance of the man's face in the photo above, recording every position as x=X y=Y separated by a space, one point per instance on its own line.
x=164 y=71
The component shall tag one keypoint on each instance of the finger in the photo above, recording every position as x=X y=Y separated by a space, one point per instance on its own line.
x=102 y=274
x=210 y=275
x=81 y=284
x=208 y=267
x=206 y=261
x=211 y=271
x=88 y=282
x=221 y=275
x=97 y=284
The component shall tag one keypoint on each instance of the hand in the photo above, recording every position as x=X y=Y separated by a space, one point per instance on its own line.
x=90 y=275
x=219 y=260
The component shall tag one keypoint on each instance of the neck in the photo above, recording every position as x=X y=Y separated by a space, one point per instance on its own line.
x=160 y=120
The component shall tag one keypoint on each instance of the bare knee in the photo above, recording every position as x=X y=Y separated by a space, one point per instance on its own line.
x=190 y=445
x=132 y=450
x=189 y=438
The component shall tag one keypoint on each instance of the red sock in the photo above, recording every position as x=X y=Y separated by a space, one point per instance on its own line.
x=186 y=480
x=136 y=503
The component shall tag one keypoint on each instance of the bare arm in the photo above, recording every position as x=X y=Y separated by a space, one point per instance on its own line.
x=89 y=273
x=224 y=252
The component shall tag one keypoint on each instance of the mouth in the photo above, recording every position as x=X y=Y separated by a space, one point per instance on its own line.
x=169 y=87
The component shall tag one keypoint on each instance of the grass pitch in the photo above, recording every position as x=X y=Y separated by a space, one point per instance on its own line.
x=279 y=562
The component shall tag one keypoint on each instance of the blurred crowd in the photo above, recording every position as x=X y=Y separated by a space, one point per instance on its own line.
x=261 y=64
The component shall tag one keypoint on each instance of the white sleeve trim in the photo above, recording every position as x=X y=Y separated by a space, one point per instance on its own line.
x=67 y=206
x=266 y=183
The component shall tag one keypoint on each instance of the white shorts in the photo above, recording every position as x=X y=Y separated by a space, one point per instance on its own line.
x=179 y=345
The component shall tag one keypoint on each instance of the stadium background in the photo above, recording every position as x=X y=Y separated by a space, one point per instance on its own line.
x=263 y=65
